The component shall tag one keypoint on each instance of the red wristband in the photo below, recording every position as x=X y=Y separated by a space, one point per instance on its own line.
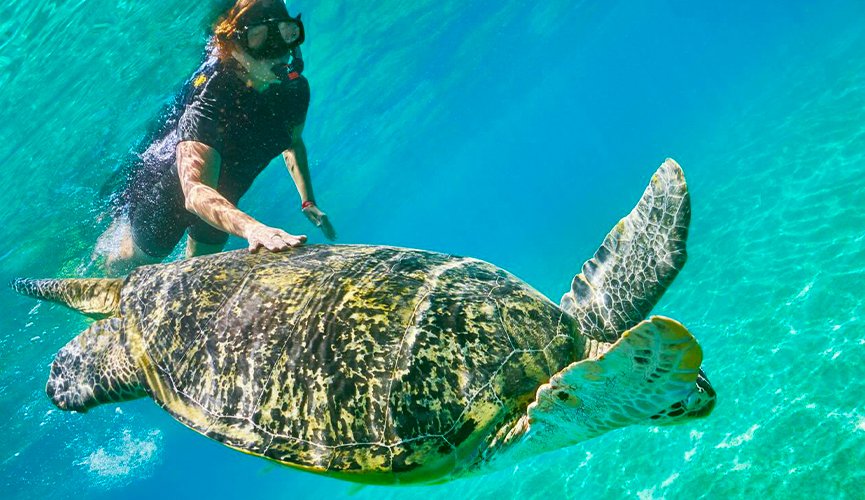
x=306 y=204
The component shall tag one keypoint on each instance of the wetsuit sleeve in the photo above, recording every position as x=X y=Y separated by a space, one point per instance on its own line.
x=202 y=121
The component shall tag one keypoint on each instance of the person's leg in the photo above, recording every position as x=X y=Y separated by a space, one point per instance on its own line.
x=195 y=248
x=204 y=239
x=118 y=249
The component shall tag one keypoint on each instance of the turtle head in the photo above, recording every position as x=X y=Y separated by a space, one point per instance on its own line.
x=64 y=387
x=93 y=368
x=698 y=404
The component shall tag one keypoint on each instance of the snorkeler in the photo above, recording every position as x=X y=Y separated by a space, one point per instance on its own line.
x=244 y=106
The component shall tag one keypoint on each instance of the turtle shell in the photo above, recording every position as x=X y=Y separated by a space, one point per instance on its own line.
x=374 y=364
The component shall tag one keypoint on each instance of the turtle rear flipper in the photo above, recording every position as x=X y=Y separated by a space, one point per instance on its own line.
x=94 y=368
x=652 y=366
x=95 y=297
x=637 y=261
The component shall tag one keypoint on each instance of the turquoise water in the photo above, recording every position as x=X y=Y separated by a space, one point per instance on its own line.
x=513 y=132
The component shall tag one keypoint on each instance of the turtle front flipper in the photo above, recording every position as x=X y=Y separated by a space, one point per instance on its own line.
x=652 y=367
x=637 y=261
x=94 y=368
x=95 y=297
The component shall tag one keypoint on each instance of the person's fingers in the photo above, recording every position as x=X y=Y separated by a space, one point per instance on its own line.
x=297 y=241
x=327 y=229
x=278 y=241
x=284 y=243
x=275 y=240
x=290 y=241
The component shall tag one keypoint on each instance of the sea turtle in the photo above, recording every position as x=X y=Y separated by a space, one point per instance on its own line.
x=388 y=365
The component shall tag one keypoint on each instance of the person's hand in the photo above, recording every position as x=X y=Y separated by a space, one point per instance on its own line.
x=319 y=218
x=273 y=239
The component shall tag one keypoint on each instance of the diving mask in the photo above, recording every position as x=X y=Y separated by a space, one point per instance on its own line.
x=267 y=31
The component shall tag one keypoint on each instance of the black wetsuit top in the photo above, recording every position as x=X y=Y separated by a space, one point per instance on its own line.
x=248 y=128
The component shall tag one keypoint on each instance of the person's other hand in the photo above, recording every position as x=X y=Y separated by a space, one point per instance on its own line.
x=273 y=239
x=320 y=219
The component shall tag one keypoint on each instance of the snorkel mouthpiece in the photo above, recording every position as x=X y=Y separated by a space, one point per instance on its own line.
x=289 y=71
x=283 y=72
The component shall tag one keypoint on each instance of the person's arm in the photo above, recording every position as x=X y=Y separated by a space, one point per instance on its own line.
x=198 y=167
x=298 y=166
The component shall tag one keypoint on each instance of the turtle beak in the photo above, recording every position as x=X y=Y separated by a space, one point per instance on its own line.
x=58 y=389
